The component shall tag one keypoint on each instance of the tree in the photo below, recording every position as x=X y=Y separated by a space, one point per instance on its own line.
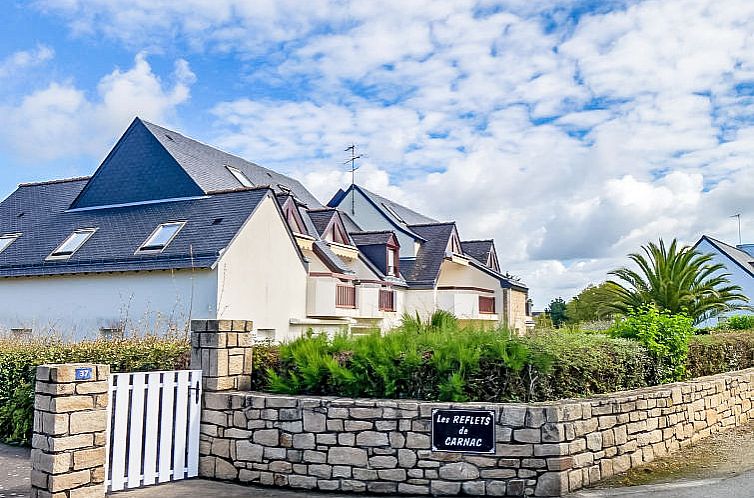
x=677 y=280
x=557 y=311
x=589 y=305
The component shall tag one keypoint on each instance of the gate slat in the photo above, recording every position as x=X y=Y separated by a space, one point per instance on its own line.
x=120 y=426
x=179 y=450
x=153 y=418
x=135 y=429
x=153 y=432
x=194 y=419
x=166 y=428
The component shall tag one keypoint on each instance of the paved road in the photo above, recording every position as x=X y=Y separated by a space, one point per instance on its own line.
x=14 y=483
x=14 y=472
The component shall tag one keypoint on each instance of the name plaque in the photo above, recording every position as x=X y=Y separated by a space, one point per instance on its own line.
x=463 y=431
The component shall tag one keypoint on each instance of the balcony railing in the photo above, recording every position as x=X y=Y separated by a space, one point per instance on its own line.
x=345 y=296
x=387 y=300
x=486 y=305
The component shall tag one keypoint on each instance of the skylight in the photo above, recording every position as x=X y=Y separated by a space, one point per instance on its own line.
x=393 y=212
x=72 y=244
x=7 y=239
x=240 y=176
x=162 y=236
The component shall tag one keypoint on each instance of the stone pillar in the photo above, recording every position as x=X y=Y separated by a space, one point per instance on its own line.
x=70 y=431
x=222 y=349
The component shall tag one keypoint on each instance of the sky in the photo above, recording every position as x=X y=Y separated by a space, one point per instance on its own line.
x=571 y=131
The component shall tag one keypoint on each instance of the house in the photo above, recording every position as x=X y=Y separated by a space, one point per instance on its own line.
x=739 y=265
x=168 y=229
x=441 y=270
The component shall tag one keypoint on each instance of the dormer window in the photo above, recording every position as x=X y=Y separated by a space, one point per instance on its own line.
x=7 y=239
x=72 y=244
x=240 y=176
x=336 y=233
x=454 y=245
x=393 y=257
x=162 y=236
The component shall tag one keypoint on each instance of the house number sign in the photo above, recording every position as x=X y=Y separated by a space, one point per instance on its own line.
x=83 y=374
x=463 y=431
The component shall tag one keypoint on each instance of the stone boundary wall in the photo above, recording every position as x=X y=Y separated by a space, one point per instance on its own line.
x=382 y=446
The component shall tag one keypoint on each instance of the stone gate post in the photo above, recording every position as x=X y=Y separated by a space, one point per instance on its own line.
x=223 y=349
x=70 y=431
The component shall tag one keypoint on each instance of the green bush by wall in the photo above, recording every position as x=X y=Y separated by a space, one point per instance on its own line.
x=19 y=359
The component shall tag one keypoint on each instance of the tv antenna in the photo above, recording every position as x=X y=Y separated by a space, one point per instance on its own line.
x=738 y=215
x=353 y=167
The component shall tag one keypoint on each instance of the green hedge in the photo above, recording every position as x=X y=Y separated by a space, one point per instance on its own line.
x=471 y=365
x=18 y=361
x=720 y=352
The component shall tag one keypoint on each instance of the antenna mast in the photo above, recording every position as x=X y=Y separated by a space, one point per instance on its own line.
x=352 y=162
x=738 y=215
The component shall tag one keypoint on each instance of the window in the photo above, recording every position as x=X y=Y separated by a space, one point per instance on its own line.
x=392 y=261
x=240 y=176
x=7 y=239
x=454 y=244
x=486 y=305
x=162 y=236
x=345 y=296
x=72 y=244
x=394 y=213
x=112 y=333
x=387 y=300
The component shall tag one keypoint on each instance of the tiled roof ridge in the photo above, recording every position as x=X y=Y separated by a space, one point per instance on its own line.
x=436 y=223
x=321 y=209
x=55 y=182
x=367 y=232
x=478 y=240
x=240 y=189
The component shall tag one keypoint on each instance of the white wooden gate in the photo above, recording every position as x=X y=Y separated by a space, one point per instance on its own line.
x=153 y=428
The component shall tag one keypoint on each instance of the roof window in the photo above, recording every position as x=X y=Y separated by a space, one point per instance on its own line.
x=72 y=244
x=162 y=236
x=394 y=213
x=7 y=239
x=240 y=176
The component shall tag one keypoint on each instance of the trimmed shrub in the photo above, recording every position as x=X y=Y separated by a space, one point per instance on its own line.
x=718 y=353
x=19 y=359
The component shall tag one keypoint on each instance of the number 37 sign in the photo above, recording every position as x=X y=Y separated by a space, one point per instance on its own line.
x=464 y=431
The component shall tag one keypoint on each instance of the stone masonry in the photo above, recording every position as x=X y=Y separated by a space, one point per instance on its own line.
x=69 y=440
x=222 y=349
x=383 y=446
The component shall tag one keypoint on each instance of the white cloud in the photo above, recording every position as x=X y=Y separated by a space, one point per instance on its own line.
x=571 y=144
x=24 y=60
x=60 y=120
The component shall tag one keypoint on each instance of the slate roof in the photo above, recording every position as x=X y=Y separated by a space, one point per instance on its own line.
x=741 y=258
x=321 y=218
x=150 y=162
x=371 y=238
x=40 y=212
x=406 y=216
x=478 y=249
x=425 y=268
x=333 y=262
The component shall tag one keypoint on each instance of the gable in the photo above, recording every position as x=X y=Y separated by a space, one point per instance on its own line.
x=138 y=169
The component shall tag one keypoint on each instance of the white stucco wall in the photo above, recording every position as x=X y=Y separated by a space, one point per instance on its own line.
x=77 y=306
x=737 y=276
x=261 y=276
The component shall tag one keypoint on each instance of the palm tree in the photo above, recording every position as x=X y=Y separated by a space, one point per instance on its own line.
x=675 y=279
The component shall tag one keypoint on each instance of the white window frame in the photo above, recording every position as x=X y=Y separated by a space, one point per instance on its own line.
x=56 y=255
x=10 y=237
x=240 y=176
x=145 y=247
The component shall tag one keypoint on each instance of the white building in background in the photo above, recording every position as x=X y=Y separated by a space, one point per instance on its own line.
x=739 y=264
x=169 y=229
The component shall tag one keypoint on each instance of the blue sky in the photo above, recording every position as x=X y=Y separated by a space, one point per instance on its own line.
x=571 y=131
